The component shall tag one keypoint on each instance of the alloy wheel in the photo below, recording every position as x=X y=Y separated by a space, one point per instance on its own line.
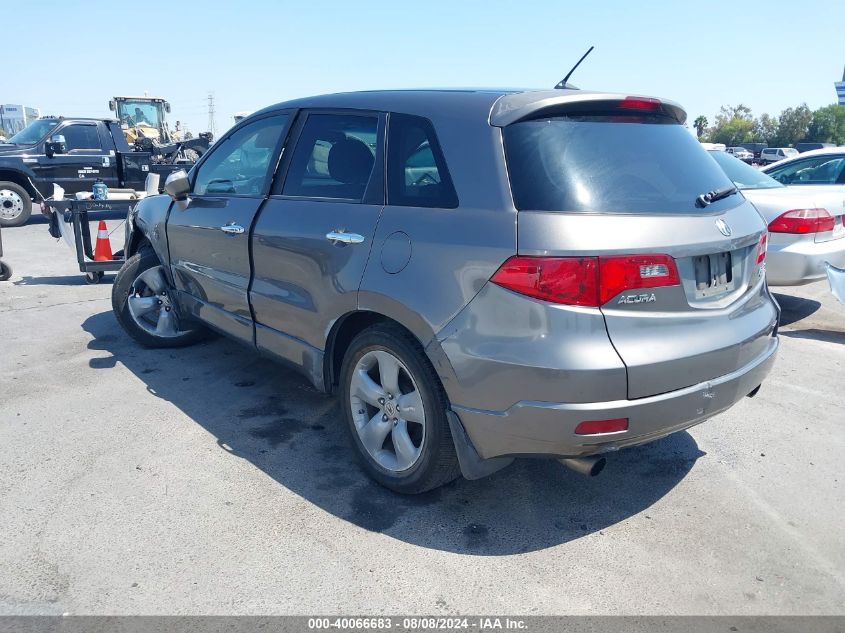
x=387 y=410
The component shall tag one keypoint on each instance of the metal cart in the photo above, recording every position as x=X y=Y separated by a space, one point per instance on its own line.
x=77 y=214
x=5 y=269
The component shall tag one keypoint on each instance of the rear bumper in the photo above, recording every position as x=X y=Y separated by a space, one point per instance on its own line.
x=548 y=429
x=802 y=262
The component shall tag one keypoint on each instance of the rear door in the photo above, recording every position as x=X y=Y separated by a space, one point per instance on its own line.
x=681 y=285
x=209 y=240
x=313 y=237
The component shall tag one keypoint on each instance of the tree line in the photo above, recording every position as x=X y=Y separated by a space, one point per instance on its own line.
x=736 y=124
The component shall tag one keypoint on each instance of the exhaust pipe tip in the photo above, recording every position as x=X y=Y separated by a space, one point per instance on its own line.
x=588 y=466
x=753 y=392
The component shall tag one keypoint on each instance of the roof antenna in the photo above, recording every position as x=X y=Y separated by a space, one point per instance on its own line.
x=563 y=85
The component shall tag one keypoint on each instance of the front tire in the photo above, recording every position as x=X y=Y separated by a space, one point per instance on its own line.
x=15 y=205
x=395 y=409
x=144 y=303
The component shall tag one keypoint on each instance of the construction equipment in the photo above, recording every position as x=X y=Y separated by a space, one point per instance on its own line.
x=143 y=120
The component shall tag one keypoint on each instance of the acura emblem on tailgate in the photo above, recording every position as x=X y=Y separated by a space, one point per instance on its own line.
x=723 y=227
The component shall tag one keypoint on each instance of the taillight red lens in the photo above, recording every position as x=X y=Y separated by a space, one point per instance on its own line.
x=762 y=245
x=633 y=272
x=595 y=427
x=585 y=281
x=639 y=103
x=803 y=222
x=568 y=280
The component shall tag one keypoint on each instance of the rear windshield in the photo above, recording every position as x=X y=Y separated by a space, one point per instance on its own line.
x=610 y=164
x=743 y=176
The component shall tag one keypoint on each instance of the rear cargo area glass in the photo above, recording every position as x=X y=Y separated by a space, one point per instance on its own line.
x=610 y=164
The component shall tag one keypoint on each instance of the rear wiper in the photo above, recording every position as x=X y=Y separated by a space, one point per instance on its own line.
x=713 y=196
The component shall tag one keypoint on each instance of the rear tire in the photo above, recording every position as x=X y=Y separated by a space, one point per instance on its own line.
x=144 y=303
x=15 y=205
x=404 y=443
x=5 y=271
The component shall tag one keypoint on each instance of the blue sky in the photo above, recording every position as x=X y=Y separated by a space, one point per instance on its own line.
x=69 y=59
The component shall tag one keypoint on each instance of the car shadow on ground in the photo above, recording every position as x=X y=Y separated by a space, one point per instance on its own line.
x=794 y=309
x=825 y=336
x=66 y=280
x=268 y=415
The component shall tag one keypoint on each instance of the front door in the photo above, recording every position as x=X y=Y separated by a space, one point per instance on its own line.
x=209 y=240
x=85 y=161
x=313 y=237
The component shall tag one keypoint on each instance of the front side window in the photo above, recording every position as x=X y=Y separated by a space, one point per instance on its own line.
x=818 y=170
x=81 y=137
x=610 y=164
x=241 y=163
x=334 y=157
x=416 y=170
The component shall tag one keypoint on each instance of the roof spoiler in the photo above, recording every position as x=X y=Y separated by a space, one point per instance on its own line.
x=519 y=106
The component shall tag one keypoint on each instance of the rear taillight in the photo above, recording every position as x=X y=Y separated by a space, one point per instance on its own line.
x=567 y=280
x=635 y=272
x=585 y=281
x=762 y=245
x=803 y=222
x=639 y=103
x=596 y=427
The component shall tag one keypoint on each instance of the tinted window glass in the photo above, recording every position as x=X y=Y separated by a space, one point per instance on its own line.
x=819 y=170
x=81 y=137
x=334 y=157
x=241 y=163
x=416 y=171
x=631 y=164
x=743 y=176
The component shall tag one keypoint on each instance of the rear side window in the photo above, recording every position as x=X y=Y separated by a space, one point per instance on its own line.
x=334 y=157
x=819 y=170
x=610 y=164
x=417 y=175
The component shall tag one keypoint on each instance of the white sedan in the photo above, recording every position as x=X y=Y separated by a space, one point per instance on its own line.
x=805 y=224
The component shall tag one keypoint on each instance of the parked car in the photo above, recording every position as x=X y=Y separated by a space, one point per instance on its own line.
x=742 y=154
x=479 y=275
x=755 y=148
x=805 y=226
x=806 y=147
x=816 y=167
x=775 y=154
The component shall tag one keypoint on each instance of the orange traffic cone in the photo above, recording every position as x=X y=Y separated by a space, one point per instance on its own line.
x=102 y=252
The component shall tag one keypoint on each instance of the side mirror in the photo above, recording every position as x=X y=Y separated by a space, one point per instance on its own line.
x=112 y=105
x=56 y=145
x=177 y=186
x=167 y=107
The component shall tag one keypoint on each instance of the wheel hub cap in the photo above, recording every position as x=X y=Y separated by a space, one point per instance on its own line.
x=11 y=204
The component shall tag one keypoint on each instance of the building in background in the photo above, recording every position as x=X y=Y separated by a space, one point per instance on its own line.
x=840 y=90
x=14 y=118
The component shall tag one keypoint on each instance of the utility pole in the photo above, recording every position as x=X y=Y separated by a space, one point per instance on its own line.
x=211 y=114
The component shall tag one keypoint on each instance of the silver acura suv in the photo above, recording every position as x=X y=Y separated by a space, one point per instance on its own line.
x=479 y=275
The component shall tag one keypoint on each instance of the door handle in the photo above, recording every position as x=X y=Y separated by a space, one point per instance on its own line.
x=232 y=229
x=340 y=237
